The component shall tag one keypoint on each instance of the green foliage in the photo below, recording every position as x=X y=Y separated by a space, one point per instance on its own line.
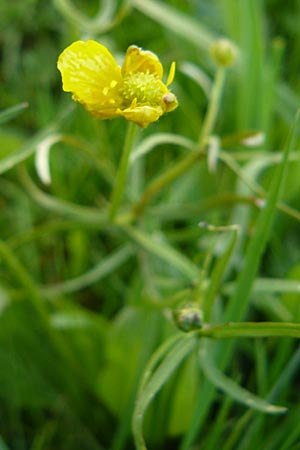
x=201 y=218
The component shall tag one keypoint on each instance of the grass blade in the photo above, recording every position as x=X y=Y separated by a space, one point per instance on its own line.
x=107 y=265
x=216 y=278
x=164 y=251
x=231 y=388
x=176 y=21
x=29 y=148
x=252 y=330
x=12 y=112
x=239 y=301
x=179 y=351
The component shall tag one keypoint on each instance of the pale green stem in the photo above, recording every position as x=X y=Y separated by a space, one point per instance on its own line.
x=167 y=177
x=213 y=107
x=121 y=178
x=188 y=161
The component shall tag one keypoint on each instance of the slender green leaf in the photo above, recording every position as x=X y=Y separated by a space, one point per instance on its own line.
x=269 y=285
x=10 y=113
x=155 y=382
x=239 y=301
x=150 y=142
x=107 y=265
x=157 y=357
x=216 y=278
x=231 y=388
x=252 y=330
x=164 y=251
x=176 y=21
x=77 y=213
x=30 y=147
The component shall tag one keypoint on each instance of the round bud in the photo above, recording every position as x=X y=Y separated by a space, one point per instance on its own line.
x=223 y=52
x=188 y=318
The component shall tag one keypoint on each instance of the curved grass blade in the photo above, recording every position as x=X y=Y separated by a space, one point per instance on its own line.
x=157 y=357
x=150 y=142
x=30 y=146
x=231 y=388
x=176 y=21
x=82 y=214
x=164 y=251
x=12 y=112
x=99 y=271
x=153 y=382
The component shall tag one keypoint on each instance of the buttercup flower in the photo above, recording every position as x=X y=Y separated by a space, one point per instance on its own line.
x=135 y=90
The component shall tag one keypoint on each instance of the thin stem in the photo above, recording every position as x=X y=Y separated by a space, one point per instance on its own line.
x=188 y=161
x=121 y=178
x=213 y=107
x=167 y=177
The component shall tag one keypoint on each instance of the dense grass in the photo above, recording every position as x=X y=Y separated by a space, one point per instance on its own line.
x=88 y=303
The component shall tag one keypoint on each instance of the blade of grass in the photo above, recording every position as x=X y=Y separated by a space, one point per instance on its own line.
x=12 y=112
x=231 y=388
x=30 y=146
x=176 y=21
x=165 y=252
x=239 y=301
x=107 y=265
x=155 y=382
x=239 y=330
x=216 y=278
x=150 y=142
x=77 y=213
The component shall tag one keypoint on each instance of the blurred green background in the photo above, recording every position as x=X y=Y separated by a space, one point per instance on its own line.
x=83 y=303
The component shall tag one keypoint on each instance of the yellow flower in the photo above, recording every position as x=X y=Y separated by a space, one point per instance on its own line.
x=135 y=90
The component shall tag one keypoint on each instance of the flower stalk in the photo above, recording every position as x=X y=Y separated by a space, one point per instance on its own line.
x=188 y=161
x=121 y=178
x=213 y=107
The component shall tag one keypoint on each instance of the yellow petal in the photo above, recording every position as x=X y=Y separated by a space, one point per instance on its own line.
x=92 y=74
x=171 y=74
x=138 y=60
x=142 y=115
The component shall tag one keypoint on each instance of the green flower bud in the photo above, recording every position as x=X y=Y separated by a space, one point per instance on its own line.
x=223 y=52
x=188 y=318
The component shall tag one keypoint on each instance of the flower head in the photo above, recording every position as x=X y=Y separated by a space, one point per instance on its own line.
x=135 y=90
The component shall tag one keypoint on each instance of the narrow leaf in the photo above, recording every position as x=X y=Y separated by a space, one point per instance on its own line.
x=176 y=21
x=155 y=382
x=10 y=113
x=239 y=301
x=150 y=142
x=252 y=330
x=231 y=388
x=29 y=147
x=216 y=278
x=106 y=266
x=165 y=252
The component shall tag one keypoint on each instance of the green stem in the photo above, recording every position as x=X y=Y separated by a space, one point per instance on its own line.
x=213 y=107
x=188 y=161
x=167 y=177
x=121 y=178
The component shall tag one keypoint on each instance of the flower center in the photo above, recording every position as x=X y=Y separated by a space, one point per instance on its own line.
x=146 y=88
